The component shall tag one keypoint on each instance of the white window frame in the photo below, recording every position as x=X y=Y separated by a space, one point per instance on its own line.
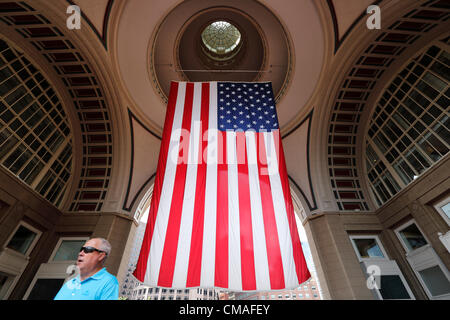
x=438 y=206
x=387 y=266
x=426 y=249
x=53 y=269
x=13 y=262
x=405 y=225
x=377 y=240
x=33 y=243
x=55 y=250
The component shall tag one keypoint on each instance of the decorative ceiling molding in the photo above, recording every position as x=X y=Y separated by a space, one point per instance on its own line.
x=101 y=34
x=298 y=139
x=142 y=169
x=338 y=40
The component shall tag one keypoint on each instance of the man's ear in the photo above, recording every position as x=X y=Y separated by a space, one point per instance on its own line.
x=102 y=257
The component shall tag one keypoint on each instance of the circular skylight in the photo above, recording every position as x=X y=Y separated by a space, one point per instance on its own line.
x=221 y=37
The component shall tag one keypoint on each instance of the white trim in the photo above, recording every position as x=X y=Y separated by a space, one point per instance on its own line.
x=377 y=240
x=33 y=243
x=58 y=245
x=438 y=206
x=404 y=226
x=387 y=267
x=423 y=258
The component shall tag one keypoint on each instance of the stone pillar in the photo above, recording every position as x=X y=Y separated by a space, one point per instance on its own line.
x=338 y=268
x=115 y=228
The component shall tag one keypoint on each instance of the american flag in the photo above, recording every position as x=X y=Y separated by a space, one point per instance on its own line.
x=221 y=214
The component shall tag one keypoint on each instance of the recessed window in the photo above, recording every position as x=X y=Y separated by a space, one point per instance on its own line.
x=22 y=240
x=68 y=250
x=368 y=248
x=435 y=280
x=392 y=287
x=412 y=237
x=443 y=208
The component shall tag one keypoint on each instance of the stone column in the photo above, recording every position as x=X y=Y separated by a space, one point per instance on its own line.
x=338 y=268
x=115 y=228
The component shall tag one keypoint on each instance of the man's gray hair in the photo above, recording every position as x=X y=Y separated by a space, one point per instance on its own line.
x=104 y=245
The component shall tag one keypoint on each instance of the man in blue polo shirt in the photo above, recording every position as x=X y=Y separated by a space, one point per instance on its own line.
x=93 y=281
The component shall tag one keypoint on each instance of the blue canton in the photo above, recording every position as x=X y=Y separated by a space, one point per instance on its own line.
x=246 y=106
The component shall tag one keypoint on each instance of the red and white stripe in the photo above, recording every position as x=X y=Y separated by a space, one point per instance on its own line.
x=222 y=215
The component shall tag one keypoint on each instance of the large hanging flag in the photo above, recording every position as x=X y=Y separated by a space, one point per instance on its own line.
x=221 y=213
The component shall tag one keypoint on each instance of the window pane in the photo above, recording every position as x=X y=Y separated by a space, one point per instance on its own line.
x=45 y=289
x=5 y=282
x=368 y=248
x=435 y=280
x=22 y=240
x=68 y=250
x=392 y=288
x=446 y=209
x=412 y=237
x=7 y=146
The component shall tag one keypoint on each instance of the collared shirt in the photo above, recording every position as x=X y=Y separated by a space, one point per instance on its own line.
x=100 y=286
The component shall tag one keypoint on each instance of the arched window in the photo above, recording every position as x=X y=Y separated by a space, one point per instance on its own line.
x=409 y=130
x=35 y=138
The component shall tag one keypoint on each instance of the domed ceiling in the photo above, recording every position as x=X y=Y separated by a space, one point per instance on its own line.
x=154 y=49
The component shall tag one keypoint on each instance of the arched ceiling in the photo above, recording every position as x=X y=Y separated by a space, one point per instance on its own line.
x=320 y=48
x=148 y=31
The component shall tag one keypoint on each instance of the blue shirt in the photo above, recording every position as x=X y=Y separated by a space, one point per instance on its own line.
x=100 y=286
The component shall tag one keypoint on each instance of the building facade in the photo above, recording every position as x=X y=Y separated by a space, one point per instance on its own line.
x=155 y=293
x=363 y=109
x=307 y=291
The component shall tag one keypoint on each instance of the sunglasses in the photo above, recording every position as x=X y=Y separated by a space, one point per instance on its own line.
x=90 y=250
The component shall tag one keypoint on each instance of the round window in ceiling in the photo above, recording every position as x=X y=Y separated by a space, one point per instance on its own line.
x=221 y=39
